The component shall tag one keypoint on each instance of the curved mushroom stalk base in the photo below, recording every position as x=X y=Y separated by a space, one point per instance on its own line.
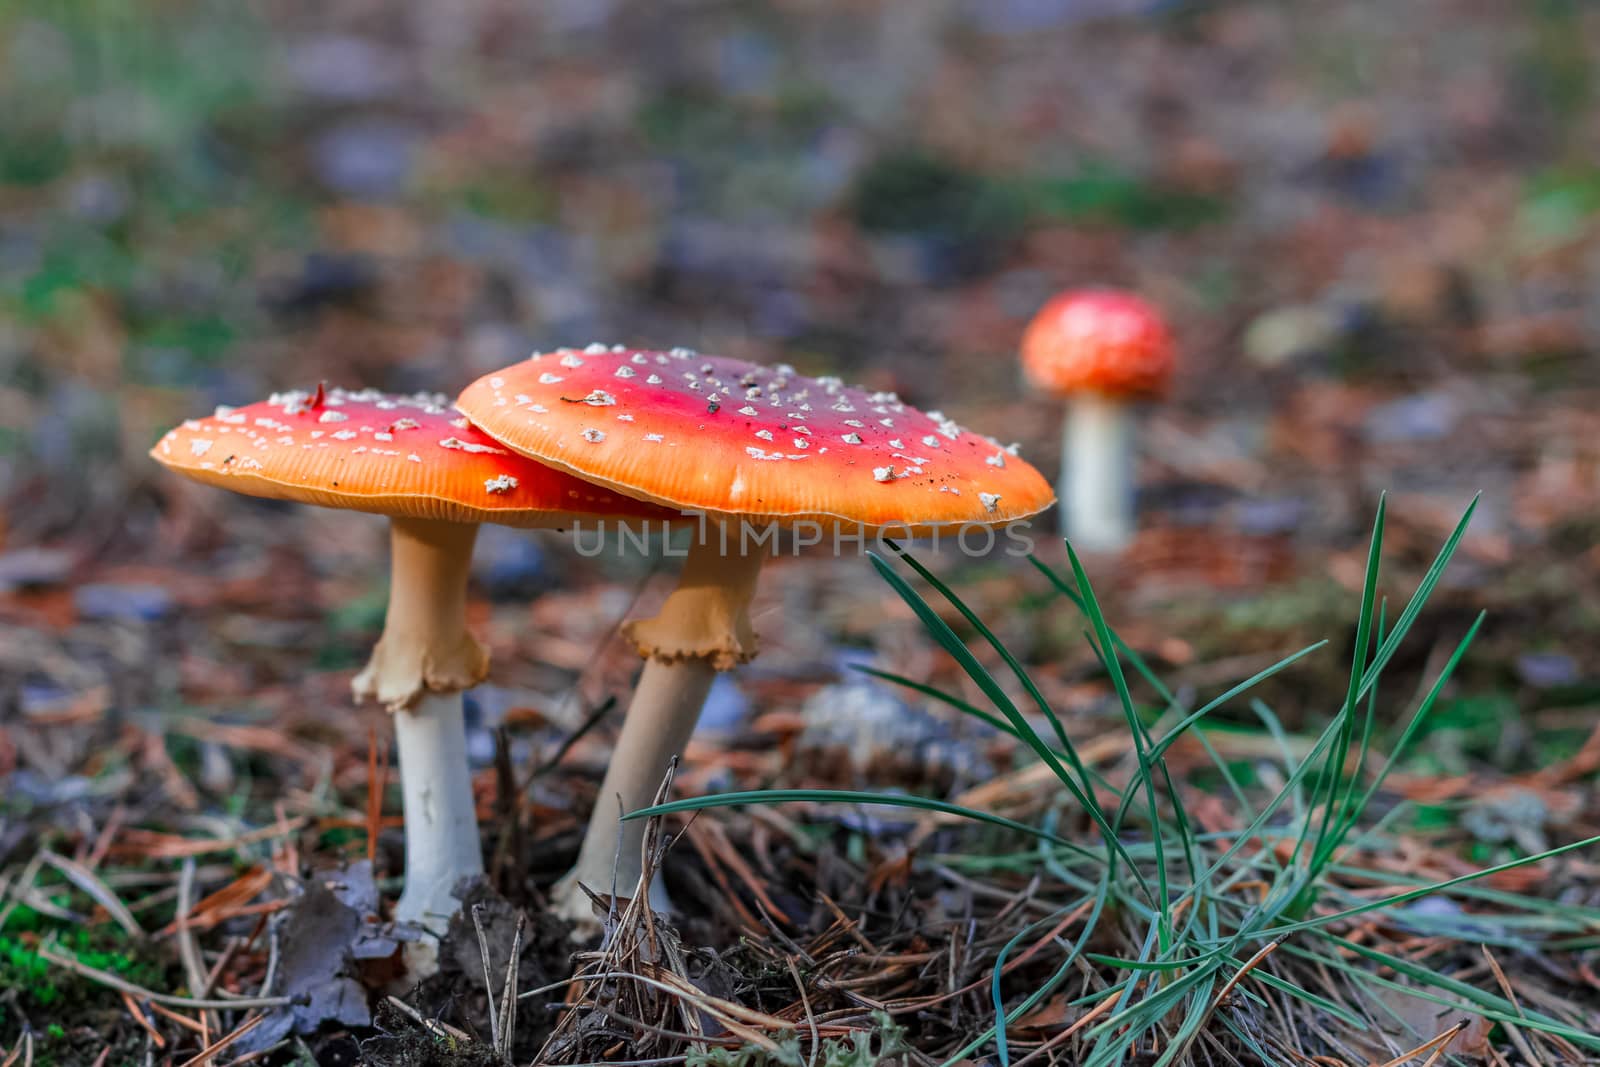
x=570 y=902
x=660 y=720
x=441 y=827
x=703 y=627
x=1097 y=474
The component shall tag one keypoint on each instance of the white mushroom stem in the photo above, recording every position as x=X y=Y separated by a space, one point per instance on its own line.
x=422 y=663
x=703 y=627
x=441 y=826
x=1097 y=473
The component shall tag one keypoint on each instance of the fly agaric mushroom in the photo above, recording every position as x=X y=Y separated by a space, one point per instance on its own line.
x=1103 y=350
x=742 y=445
x=418 y=461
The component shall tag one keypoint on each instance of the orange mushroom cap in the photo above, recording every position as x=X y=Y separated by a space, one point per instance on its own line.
x=402 y=456
x=1101 y=341
x=718 y=435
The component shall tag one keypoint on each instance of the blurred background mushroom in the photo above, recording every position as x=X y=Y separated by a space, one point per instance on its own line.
x=418 y=461
x=1104 y=351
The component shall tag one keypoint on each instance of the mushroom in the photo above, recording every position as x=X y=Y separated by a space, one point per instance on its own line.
x=419 y=462
x=1103 y=350
x=750 y=449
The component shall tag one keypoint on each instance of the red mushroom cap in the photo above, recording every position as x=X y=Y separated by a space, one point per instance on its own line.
x=1100 y=341
x=409 y=456
x=719 y=435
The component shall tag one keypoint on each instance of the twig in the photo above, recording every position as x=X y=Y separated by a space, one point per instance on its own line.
x=83 y=970
x=143 y=1020
x=288 y=858
x=748 y=1034
x=922 y=1003
x=1249 y=965
x=1438 y=1043
x=593 y=719
x=1105 y=1005
x=224 y=1041
x=19 y=888
x=108 y=832
x=438 y=1028
x=488 y=979
x=376 y=779
x=811 y=1019
x=224 y=958
x=171 y=847
x=508 y=991
x=188 y=949
x=1435 y=1056
x=508 y=809
x=274 y=949
x=260 y=1054
x=1238 y=976
x=181 y=1019
x=716 y=1006
x=1515 y=1032
x=90 y=883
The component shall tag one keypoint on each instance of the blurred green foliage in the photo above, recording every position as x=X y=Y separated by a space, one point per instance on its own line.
x=42 y=988
x=912 y=192
x=1560 y=202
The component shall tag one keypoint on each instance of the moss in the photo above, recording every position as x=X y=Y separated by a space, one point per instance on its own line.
x=83 y=1046
x=43 y=988
x=911 y=192
x=1098 y=194
x=884 y=1044
x=1309 y=603
x=401 y=1044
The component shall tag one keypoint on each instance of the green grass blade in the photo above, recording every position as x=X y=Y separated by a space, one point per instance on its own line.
x=1172 y=735
x=935 y=693
x=1011 y=662
x=1482 y=1002
x=1252 y=832
x=1119 y=682
x=1111 y=1043
x=1338 y=1011
x=1353 y=780
x=1412 y=726
x=1138 y=661
x=1047 y=987
x=1401 y=898
x=1280 y=737
x=1330 y=783
x=947 y=639
x=1419 y=599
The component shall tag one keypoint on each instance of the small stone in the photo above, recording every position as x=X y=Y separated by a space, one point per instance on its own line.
x=366 y=157
x=123 y=602
x=1547 y=670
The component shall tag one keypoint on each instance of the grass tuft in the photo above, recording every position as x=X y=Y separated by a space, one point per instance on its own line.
x=1299 y=916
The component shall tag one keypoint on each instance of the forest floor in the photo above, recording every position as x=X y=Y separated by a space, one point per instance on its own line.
x=1380 y=246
